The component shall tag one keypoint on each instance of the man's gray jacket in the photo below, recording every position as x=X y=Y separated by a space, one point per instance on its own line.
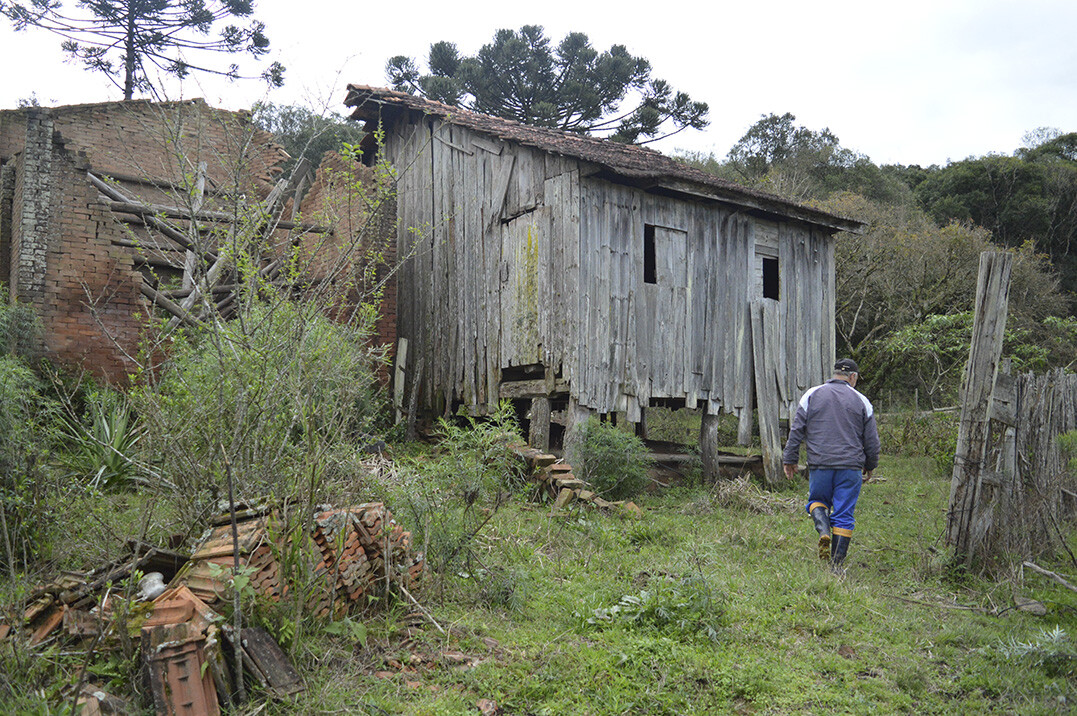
x=838 y=424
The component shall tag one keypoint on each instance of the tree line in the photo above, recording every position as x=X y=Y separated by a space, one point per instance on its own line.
x=905 y=287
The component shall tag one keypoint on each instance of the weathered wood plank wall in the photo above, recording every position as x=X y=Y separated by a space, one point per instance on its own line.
x=517 y=258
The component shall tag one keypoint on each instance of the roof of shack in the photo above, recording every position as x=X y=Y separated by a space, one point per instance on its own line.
x=640 y=166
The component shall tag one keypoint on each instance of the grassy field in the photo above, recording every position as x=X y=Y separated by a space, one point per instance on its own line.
x=712 y=602
x=736 y=615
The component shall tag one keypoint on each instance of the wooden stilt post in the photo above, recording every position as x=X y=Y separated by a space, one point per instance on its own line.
x=745 y=421
x=538 y=435
x=708 y=447
x=577 y=416
x=641 y=424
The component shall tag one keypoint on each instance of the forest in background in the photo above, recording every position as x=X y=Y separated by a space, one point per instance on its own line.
x=905 y=287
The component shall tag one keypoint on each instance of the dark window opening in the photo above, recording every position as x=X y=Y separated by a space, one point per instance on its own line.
x=650 y=273
x=770 y=278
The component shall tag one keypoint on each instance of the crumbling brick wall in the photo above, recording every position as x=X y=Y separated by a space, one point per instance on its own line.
x=64 y=251
x=63 y=263
x=359 y=257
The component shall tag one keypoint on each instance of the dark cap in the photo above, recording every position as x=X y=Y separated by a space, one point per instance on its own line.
x=846 y=365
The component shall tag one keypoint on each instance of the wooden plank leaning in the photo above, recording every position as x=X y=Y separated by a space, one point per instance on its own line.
x=766 y=392
x=966 y=520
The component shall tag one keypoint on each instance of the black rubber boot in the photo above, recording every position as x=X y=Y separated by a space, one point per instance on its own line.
x=839 y=547
x=822 y=526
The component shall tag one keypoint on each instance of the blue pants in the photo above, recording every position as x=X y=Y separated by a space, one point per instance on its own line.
x=836 y=490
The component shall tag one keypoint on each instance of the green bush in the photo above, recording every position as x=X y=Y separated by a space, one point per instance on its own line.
x=450 y=498
x=615 y=462
x=267 y=397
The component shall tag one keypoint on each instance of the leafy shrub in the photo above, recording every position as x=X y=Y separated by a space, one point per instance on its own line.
x=19 y=328
x=686 y=607
x=451 y=496
x=267 y=398
x=615 y=462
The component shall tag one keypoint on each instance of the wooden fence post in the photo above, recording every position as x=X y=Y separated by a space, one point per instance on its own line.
x=963 y=524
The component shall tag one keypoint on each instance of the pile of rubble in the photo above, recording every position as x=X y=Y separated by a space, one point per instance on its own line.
x=351 y=554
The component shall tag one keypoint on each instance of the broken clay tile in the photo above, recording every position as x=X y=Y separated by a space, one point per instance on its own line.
x=47 y=625
x=176 y=678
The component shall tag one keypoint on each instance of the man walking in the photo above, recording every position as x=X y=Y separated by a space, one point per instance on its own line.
x=838 y=425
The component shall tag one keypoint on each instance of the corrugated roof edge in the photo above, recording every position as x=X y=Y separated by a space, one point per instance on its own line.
x=629 y=161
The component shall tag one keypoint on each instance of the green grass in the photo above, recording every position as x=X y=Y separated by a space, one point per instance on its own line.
x=899 y=633
x=894 y=635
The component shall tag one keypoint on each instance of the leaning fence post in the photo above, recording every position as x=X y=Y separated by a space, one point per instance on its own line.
x=989 y=325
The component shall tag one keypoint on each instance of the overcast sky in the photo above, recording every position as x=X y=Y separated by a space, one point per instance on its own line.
x=920 y=82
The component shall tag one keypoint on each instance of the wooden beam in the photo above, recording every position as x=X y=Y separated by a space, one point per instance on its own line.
x=766 y=392
x=162 y=226
x=399 y=374
x=708 y=447
x=536 y=388
x=167 y=304
x=220 y=217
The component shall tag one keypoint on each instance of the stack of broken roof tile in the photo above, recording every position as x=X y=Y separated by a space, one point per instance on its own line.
x=356 y=551
x=358 y=548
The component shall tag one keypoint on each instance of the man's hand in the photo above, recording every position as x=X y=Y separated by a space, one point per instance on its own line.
x=790 y=471
x=866 y=476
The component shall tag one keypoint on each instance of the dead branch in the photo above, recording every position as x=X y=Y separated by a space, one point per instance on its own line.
x=161 y=300
x=1052 y=575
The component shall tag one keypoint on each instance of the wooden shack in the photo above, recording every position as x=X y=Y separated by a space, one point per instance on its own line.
x=592 y=277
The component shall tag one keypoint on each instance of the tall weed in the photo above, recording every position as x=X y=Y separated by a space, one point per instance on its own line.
x=615 y=462
x=450 y=496
x=102 y=452
x=23 y=504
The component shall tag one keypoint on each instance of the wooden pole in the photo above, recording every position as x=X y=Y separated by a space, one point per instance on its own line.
x=399 y=374
x=745 y=421
x=708 y=447
x=237 y=597
x=190 y=261
x=641 y=424
x=964 y=528
x=538 y=435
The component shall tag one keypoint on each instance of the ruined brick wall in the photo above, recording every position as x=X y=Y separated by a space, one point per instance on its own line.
x=65 y=252
x=7 y=196
x=83 y=271
x=165 y=142
x=359 y=257
x=83 y=288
